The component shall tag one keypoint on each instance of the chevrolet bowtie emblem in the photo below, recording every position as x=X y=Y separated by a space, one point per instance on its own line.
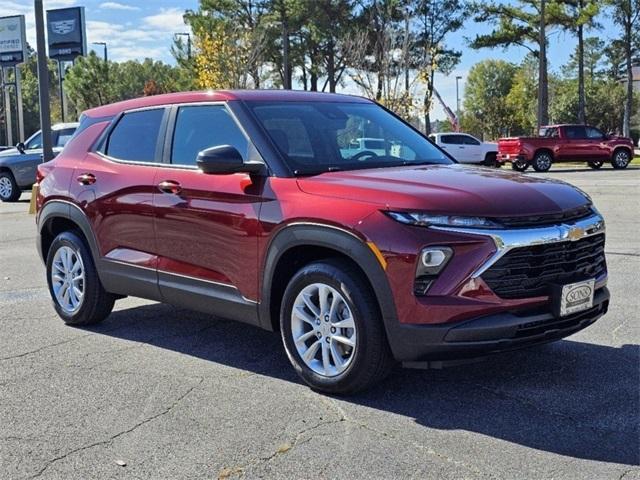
x=575 y=233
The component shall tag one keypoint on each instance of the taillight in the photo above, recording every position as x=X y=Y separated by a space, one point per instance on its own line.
x=40 y=174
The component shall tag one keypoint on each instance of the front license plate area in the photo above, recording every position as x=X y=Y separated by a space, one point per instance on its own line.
x=574 y=297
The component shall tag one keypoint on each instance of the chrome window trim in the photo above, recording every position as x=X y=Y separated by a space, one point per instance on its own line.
x=508 y=239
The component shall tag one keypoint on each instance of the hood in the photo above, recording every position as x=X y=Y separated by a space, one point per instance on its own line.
x=449 y=189
x=9 y=152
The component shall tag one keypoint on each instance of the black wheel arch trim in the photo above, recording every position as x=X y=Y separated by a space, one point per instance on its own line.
x=341 y=241
x=69 y=211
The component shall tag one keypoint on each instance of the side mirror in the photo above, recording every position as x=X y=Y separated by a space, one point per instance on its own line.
x=224 y=160
x=20 y=146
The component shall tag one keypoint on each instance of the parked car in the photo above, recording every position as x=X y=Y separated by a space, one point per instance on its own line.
x=18 y=164
x=359 y=261
x=566 y=143
x=4 y=147
x=466 y=148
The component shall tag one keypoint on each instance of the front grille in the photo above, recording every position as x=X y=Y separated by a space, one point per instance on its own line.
x=546 y=219
x=526 y=272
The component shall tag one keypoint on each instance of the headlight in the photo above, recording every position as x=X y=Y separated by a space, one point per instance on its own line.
x=427 y=220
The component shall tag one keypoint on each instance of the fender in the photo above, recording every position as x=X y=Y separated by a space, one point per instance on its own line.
x=70 y=211
x=340 y=240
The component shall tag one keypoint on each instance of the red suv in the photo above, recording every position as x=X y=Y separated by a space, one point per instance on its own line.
x=264 y=207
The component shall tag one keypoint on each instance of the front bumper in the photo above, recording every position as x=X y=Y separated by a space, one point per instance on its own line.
x=490 y=334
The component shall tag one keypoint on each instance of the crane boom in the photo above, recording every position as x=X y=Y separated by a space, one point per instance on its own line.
x=455 y=124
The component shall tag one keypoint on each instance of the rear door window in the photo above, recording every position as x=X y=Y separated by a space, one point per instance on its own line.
x=135 y=137
x=451 y=139
x=575 y=131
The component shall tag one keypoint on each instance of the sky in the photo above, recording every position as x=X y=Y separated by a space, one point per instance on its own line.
x=136 y=29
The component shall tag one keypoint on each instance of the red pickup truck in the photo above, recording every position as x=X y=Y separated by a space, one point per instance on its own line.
x=565 y=143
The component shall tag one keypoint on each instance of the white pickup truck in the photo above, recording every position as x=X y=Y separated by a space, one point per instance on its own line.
x=466 y=148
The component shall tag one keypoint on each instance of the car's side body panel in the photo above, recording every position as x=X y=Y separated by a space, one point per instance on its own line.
x=563 y=147
x=216 y=243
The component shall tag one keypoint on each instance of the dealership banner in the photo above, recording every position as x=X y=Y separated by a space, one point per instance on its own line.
x=13 y=44
x=66 y=33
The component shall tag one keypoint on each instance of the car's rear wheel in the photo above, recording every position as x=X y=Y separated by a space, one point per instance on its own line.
x=542 y=162
x=9 y=190
x=332 y=329
x=491 y=160
x=76 y=291
x=621 y=159
x=520 y=165
x=596 y=164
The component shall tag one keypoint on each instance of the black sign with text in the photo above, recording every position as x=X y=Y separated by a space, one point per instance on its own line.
x=66 y=33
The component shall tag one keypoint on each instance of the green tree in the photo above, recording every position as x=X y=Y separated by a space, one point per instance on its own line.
x=92 y=82
x=524 y=23
x=627 y=14
x=242 y=24
x=436 y=20
x=521 y=99
x=485 y=98
x=576 y=15
x=30 y=95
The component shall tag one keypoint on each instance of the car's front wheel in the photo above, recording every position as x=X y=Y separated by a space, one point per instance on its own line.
x=76 y=291
x=621 y=159
x=9 y=190
x=332 y=329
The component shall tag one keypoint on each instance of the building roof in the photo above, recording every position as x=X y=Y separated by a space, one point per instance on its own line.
x=222 y=96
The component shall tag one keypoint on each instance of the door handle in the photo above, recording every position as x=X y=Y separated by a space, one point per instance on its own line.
x=86 y=179
x=169 y=186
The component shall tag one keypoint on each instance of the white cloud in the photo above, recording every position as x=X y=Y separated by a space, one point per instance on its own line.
x=118 y=6
x=168 y=20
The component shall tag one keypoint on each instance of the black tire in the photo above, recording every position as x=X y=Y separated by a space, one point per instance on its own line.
x=96 y=304
x=595 y=164
x=542 y=162
x=372 y=359
x=491 y=160
x=10 y=191
x=519 y=165
x=620 y=159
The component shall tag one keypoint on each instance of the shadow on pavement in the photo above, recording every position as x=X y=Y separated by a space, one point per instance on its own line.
x=570 y=398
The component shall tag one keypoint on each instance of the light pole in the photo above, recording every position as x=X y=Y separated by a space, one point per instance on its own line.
x=43 y=83
x=188 y=35
x=104 y=44
x=458 y=78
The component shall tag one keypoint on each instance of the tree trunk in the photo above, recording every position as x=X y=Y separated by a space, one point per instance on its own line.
x=331 y=67
x=628 y=104
x=581 y=97
x=380 y=85
x=286 y=79
x=543 y=87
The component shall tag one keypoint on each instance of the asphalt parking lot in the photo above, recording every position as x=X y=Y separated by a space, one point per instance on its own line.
x=157 y=392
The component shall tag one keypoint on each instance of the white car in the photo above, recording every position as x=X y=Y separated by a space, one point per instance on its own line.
x=466 y=148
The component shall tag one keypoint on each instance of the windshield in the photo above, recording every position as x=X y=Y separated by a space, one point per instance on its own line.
x=316 y=137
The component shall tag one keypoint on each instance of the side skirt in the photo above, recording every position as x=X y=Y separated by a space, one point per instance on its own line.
x=221 y=300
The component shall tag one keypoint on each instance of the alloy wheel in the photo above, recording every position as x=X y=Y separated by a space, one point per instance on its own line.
x=67 y=279
x=622 y=159
x=543 y=162
x=6 y=187
x=323 y=329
